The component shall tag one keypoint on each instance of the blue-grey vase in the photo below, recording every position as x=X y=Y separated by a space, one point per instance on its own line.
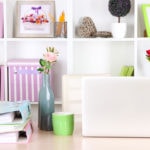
x=46 y=104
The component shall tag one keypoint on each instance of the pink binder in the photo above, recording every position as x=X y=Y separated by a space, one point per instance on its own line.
x=2 y=83
x=1 y=21
x=20 y=137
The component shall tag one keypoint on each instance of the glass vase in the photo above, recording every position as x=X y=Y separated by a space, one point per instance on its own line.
x=46 y=104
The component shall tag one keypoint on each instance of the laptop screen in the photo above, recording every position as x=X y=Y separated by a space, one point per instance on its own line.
x=116 y=106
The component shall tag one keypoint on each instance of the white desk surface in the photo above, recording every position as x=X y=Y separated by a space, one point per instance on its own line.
x=42 y=140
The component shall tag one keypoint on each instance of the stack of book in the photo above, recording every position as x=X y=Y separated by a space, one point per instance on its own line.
x=127 y=71
x=15 y=122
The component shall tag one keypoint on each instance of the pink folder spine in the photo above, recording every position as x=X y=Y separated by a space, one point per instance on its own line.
x=2 y=85
x=29 y=131
x=1 y=21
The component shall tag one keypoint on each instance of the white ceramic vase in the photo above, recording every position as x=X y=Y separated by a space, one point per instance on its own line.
x=119 y=30
x=146 y=69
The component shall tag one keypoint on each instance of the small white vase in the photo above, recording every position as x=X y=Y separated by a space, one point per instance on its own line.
x=147 y=69
x=119 y=30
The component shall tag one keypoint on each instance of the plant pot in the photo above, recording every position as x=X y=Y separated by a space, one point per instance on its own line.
x=146 y=68
x=119 y=30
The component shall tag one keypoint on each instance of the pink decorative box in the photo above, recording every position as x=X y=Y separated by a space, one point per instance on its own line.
x=23 y=80
x=1 y=21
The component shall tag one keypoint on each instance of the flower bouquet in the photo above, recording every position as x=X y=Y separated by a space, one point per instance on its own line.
x=35 y=19
x=46 y=95
x=148 y=54
x=49 y=58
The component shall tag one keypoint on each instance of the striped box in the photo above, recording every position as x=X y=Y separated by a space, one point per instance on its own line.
x=24 y=80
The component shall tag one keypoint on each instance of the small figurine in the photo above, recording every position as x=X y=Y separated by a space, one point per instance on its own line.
x=87 y=29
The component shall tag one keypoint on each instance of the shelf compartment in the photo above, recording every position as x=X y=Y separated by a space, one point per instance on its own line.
x=143 y=65
x=102 y=57
x=2 y=52
x=99 y=13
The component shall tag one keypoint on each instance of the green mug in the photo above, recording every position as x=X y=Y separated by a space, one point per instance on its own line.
x=63 y=123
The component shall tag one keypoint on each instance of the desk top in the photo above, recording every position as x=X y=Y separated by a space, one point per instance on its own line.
x=45 y=140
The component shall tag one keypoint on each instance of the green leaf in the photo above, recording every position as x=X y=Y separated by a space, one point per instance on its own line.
x=52 y=49
x=47 y=49
x=40 y=69
x=148 y=58
x=42 y=62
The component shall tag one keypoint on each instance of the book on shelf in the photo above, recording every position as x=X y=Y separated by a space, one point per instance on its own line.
x=18 y=136
x=130 y=71
x=14 y=112
x=127 y=71
x=124 y=71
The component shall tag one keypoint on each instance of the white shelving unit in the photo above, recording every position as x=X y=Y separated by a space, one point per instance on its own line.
x=108 y=55
x=102 y=55
x=81 y=55
x=20 y=48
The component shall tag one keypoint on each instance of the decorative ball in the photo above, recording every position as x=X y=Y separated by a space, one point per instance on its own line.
x=119 y=8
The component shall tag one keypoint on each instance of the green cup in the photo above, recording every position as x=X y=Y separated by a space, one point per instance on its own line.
x=63 y=123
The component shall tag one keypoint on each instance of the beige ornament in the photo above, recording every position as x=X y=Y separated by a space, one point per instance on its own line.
x=86 y=28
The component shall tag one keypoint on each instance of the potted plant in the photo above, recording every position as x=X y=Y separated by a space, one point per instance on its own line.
x=146 y=65
x=119 y=8
x=148 y=55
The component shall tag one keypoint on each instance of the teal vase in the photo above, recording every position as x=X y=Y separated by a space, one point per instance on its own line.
x=46 y=104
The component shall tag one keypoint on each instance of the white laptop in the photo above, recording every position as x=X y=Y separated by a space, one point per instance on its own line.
x=116 y=107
